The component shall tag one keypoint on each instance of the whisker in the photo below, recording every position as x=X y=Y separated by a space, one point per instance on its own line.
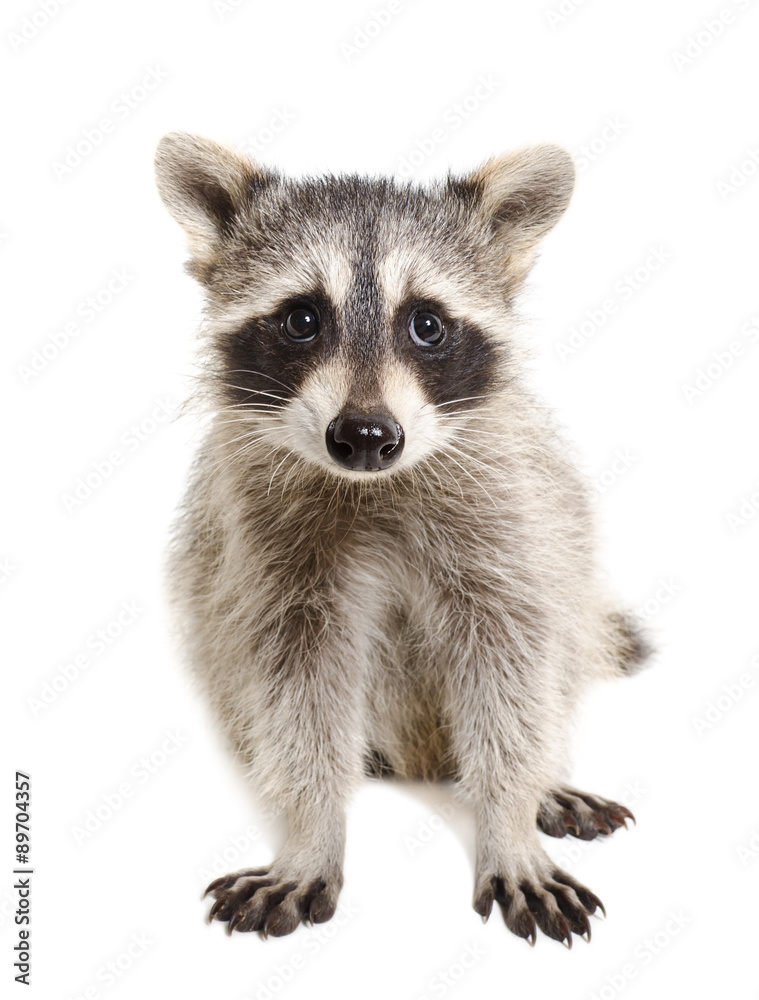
x=248 y=446
x=469 y=416
x=268 y=491
x=243 y=407
x=461 y=399
x=250 y=371
x=478 y=444
x=249 y=436
x=256 y=392
x=449 y=478
x=470 y=458
x=259 y=420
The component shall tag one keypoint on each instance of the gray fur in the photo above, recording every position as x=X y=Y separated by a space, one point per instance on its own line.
x=445 y=613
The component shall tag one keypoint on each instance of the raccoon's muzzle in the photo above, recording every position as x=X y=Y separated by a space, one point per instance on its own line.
x=365 y=443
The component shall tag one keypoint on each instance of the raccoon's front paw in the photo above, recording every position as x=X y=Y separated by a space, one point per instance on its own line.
x=566 y=810
x=549 y=899
x=263 y=899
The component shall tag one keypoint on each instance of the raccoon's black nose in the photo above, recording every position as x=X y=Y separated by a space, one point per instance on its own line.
x=365 y=443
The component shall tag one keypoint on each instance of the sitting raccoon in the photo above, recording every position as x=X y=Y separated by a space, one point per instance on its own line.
x=384 y=560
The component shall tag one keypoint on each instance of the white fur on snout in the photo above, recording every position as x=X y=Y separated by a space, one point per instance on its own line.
x=324 y=396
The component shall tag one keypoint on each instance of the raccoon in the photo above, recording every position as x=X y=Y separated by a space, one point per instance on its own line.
x=385 y=560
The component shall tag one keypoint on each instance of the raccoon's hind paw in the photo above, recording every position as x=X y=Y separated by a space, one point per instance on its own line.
x=584 y=816
x=259 y=899
x=553 y=901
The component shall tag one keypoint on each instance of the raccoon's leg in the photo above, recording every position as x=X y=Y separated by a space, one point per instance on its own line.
x=304 y=741
x=566 y=810
x=505 y=720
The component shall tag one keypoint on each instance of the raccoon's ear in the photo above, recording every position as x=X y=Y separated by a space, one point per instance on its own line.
x=205 y=186
x=523 y=195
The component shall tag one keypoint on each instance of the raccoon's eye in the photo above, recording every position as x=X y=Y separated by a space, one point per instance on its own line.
x=302 y=324
x=426 y=329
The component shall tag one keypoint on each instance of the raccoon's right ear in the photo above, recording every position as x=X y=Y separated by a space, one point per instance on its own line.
x=205 y=186
x=522 y=195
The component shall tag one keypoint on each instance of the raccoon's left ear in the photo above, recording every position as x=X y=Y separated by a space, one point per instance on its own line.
x=523 y=195
x=206 y=187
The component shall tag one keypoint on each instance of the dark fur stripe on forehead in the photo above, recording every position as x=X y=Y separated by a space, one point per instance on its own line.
x=364 y=331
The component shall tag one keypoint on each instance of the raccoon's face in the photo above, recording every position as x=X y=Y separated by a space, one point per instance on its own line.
x=356 y=322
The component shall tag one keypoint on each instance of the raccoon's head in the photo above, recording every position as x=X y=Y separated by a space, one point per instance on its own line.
x=357 y=321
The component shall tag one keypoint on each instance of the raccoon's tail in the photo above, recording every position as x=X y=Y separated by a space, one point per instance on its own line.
x=631 y=645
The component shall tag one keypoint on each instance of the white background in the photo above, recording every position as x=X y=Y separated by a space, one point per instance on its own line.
x=675 y=173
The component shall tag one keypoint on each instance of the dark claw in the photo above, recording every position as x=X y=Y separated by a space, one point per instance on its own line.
x=577 y=918
x=228 y=902
x=523 y=925
x=552 y=924
x=484 y=902
x=247 y=909
x=279 y=922
x=619 y=815
x=571 y=823
x=589 y=900
x=217 y=907
x=555 y=902
x=552 y=824
x=322 y=908
x=573 y=816
x=517 y=917
x=603 y=826
x=227 y=881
